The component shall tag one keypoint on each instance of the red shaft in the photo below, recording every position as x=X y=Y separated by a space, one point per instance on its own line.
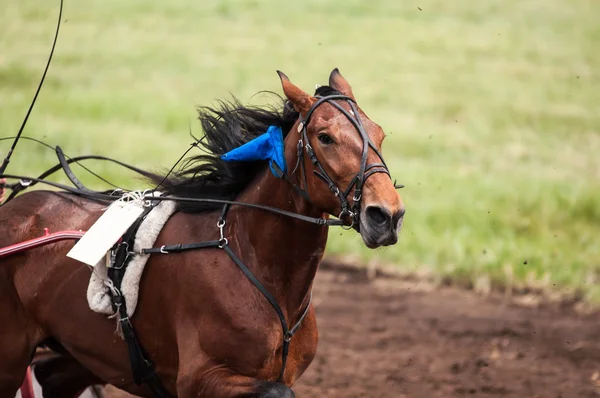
x=27 y=387
x=42 y=240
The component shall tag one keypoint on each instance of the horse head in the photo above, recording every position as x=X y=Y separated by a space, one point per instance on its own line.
x=339 y=165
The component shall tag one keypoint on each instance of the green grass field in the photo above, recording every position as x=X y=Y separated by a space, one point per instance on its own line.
x=492 y=110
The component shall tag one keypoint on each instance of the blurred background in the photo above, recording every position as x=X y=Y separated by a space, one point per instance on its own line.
x=491 y=110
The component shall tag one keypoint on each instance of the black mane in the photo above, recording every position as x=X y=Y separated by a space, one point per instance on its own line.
x=227 y=126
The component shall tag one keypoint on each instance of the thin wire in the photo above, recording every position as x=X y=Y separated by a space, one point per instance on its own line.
x=14 y=144
x=68 y=157
x=30 y=139
x=192 y=145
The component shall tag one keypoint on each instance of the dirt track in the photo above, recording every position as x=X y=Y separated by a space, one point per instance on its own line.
x=389 y=338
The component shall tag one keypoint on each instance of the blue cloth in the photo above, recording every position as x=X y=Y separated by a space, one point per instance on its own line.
x=267 y=146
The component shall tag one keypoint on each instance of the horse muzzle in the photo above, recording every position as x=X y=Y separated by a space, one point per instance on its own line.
x=379 y=227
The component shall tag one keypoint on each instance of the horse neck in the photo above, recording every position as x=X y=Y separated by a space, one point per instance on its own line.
x=284 y=253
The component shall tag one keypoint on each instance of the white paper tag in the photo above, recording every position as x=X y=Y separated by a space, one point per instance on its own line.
x=106 y=231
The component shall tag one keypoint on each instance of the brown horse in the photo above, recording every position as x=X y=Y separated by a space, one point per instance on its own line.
x=208 y=329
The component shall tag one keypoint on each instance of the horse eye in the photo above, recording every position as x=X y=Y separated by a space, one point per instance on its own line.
x=325 y=139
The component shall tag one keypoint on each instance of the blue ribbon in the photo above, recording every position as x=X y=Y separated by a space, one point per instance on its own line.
x=267 y=146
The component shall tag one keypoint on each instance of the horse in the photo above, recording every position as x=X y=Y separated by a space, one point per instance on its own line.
x=206 y=326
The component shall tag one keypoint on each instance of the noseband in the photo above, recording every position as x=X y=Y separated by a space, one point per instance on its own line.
x=365 y=171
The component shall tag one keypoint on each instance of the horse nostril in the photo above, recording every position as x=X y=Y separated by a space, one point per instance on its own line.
x=377 y=215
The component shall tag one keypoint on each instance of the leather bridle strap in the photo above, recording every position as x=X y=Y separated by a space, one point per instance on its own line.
x=365 y=171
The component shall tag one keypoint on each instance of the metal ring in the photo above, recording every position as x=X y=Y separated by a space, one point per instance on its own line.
x=220 y=223
x=162 y=250
x=223 y=242
x=354 y=198
x=349 y=213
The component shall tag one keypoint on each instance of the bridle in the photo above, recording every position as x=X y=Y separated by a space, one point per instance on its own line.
x=365 y=171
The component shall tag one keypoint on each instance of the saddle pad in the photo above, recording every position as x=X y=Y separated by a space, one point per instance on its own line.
x=100 y=284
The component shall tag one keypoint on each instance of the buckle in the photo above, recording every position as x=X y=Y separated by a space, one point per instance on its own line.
x=222 y=239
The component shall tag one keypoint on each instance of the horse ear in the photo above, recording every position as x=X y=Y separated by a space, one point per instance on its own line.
x=337 y=81
x=299 y=99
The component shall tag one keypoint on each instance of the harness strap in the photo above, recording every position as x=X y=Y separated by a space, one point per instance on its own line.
x=222 y=243
x=16 y=188
x=181 y=247
x=65 y=166
x=142 y=367
x=286 y=177
x=107 y=197
x=259 y=286
x=313 y=220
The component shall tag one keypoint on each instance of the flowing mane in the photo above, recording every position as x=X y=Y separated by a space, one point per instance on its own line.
x=225 y=127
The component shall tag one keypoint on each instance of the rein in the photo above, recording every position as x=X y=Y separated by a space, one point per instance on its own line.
x=27 y=181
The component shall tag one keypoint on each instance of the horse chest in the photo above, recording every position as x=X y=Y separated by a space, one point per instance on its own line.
x=255 y=347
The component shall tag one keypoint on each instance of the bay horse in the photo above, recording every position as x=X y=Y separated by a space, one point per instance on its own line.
x=207 y=327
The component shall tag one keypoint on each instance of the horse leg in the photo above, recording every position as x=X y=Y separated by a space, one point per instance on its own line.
x=17 y=336
x=63 y=377
x=220 y=382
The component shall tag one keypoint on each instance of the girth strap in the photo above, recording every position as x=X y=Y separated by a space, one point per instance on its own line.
x=142 y=367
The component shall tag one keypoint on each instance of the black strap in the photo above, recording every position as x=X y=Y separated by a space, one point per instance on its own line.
x=281 y=174
x=363 y=173
x=313 y=220
x=287 y=333
x=142 y=367
x=87 y=194
x=16 y=188
x=222 y=243
x=259 y=286
x=106 y=197
x=182 y=247
x=67 y=169
x=224 y=211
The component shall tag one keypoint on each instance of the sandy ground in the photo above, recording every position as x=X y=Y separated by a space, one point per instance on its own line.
x=391 y=338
